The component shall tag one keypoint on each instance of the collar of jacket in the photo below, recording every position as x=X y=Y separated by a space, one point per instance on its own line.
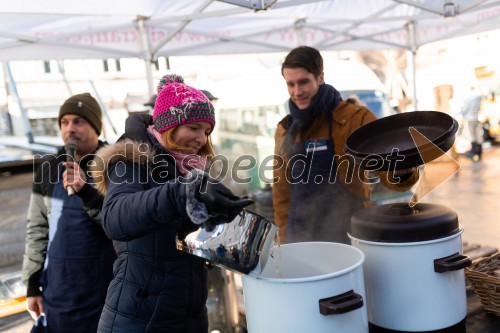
x=126 y=150
x=344 y=112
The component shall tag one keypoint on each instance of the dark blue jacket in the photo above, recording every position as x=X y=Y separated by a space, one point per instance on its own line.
x=156 y=288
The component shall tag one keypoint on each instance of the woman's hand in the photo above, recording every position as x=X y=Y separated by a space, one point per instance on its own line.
x=221 y=203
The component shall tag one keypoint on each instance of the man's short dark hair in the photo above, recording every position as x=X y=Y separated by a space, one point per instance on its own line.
x=304 y=57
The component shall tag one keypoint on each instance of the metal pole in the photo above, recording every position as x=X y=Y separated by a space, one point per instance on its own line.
x=13 y=89
x=142 y=32
x=7 y=117
x=62 y=71
x=103 y=106
x=299 y=30
x=413 y=66
x=149 y=75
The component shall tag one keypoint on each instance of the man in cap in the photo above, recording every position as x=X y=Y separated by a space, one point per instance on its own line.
x=68 y=258
x=209 y=95
x=151 y=102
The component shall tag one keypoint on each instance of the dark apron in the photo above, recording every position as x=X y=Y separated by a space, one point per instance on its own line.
x=78 y=266
x=320 y=207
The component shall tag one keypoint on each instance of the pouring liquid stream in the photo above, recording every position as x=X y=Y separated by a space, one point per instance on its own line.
x=275 y=254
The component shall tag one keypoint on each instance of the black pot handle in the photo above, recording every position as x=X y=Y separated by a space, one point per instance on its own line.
x=454 y=262
x=339 y=304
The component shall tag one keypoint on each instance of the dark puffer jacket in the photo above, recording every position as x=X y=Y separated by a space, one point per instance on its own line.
x=156 y=288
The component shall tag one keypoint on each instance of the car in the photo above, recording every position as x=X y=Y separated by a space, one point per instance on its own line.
x=12 y=294
x=375 y=100
x=490 y=114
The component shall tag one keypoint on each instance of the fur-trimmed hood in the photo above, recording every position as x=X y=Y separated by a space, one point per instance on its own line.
x=126 y=150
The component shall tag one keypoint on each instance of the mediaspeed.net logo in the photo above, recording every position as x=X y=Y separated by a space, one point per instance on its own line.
x=244 y=166
x=428 y=152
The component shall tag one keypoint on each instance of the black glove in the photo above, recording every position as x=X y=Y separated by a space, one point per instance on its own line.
x=186 y=227
x=404 y=174
x=222 y=205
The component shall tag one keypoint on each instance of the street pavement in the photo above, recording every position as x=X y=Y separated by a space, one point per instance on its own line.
x=473 y=192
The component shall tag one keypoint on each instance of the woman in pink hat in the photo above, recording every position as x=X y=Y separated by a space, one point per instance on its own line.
x=151 y=179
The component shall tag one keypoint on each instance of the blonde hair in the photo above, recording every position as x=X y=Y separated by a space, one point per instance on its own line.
x=168 y=140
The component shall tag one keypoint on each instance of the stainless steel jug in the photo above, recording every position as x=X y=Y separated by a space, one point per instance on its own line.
x=241 y=245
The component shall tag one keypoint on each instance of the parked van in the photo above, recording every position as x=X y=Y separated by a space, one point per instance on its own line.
x=355 y=79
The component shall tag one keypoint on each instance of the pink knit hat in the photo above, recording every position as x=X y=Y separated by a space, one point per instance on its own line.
x=179 y=104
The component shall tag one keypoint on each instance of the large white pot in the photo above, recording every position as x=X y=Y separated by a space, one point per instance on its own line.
x=294 y=291
x=413 y=286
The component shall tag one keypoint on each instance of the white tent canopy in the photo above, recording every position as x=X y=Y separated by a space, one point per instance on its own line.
x=62 y=29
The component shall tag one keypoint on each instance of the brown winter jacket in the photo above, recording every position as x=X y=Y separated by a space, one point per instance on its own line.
x=347 y=118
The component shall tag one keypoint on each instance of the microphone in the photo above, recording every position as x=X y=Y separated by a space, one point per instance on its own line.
x=70 y=148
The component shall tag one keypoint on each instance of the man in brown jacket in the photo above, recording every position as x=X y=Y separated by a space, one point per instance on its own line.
x=317 y=187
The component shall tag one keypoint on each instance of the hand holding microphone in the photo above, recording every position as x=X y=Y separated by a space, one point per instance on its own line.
x=70 y=148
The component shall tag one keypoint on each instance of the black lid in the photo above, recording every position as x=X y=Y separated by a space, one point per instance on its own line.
x=400 y=223
x=393 y=142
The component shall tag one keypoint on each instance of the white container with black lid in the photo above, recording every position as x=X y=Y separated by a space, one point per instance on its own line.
x=414 y=267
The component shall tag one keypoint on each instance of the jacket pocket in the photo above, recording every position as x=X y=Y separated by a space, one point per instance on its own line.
x=126 y=297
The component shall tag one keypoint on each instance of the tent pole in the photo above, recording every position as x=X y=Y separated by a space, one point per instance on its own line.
x=149 y=75
x=62 y=71
x=7 y=116
x=13 y=89
x=412 y=53
x=142 y=33
x=103 y=107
